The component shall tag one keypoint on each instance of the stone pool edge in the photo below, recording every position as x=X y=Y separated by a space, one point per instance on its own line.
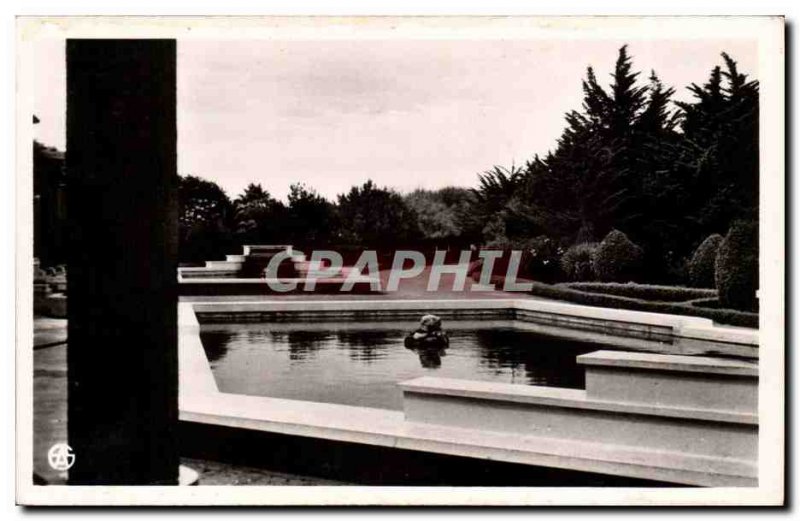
x=200 y=401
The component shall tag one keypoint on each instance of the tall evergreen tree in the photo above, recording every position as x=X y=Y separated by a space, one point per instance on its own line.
x=666 y=177
x=657 y=118
x=720 y=148
x=662 y=227
x=627 y=100
x=588 y=184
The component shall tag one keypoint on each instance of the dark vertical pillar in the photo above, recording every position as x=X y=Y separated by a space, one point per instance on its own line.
x=122 y=260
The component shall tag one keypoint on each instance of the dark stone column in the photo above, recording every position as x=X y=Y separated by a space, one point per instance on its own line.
x=122 y=261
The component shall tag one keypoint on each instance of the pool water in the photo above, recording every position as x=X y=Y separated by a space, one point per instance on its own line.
x=360 y=364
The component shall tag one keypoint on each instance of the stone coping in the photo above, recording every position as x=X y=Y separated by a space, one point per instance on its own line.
x=694 y=328
x=270 y=247
x=361 y=279
x=229 y=264
x=560 y=397
x=256 y=249
x=273 y=305
x=661 y=362
x=187 y=320
x=200 y=269
x=720 y=333
x=352 y=325
x=390 y=429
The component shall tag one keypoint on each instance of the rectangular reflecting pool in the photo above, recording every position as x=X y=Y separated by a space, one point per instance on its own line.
x=665 y=398
x=361 y=364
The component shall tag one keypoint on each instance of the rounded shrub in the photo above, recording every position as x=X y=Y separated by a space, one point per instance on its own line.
x=737 y=267
x=617 y=259
x=701 y=266
x=541 y=258
x=577 y=262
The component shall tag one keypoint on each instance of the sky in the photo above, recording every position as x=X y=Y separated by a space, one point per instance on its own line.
x=405 y=113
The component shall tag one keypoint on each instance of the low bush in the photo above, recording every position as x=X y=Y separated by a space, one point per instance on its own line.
x=577 y=263
x=617 y=259
x=541 y=259
x=737 y=267
x=701 y=266
x=644 y=291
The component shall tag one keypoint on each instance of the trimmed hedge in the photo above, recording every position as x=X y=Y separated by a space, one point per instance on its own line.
x=737 y=266
x=711 y=303
x=577 y=263
x=701 y=266
x=617 y=259
x=644 y=291
x=723 y=316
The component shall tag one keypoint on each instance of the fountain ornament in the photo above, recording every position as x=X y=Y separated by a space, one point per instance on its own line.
x=428 y=334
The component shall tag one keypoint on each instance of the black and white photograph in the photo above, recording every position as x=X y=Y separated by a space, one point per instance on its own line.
x=400 y=261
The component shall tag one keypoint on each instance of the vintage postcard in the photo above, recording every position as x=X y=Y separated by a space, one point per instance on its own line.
x=400 y=261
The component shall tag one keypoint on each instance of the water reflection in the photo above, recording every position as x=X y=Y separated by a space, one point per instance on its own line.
x=430 y=356
x=348 y=365
x=526 y=357
x=366 y=346
x=545 y=360
x=216 y=343
x=301 y=345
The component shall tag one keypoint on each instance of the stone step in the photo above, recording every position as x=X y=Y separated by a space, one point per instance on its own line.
x=208 y=273
x=672 y=380
x=224 y=265
x=569 y=414
x=266 y=249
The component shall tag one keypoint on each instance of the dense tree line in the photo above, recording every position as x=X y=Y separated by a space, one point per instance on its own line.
x=664 y=174
x=667 y=174
x=367 y=216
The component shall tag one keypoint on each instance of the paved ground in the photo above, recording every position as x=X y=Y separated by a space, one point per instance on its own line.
x=49 y=331
x=215 y=473
x=50 y=427
x=49 y=406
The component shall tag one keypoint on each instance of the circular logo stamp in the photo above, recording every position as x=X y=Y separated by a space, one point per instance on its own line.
x=60 y=456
